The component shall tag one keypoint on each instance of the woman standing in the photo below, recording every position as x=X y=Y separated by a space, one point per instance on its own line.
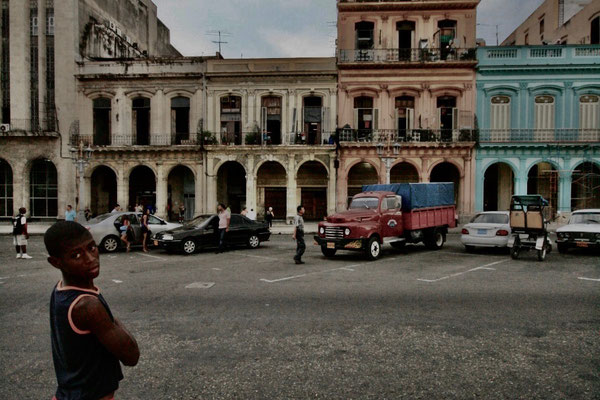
x=269 y=217
x=145 y=229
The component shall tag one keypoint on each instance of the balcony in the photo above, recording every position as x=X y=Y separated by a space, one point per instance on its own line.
x=517 y=136
x=389 y=136
x=116 y=141
x=29 y=127
x=512 y=56
x=411 y=56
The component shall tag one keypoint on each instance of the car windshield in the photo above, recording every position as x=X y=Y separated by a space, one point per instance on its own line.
x=99 y=219
x=585 y=218
x=490 y=219
x=199 y=222
x=368 y=203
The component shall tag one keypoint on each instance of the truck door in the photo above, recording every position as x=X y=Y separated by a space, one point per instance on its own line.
x=391 y=217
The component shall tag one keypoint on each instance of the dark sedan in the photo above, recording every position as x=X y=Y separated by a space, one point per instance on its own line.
x=202 y=233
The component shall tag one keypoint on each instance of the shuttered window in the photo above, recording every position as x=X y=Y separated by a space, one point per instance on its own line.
x=544 y=118
x=589 y=112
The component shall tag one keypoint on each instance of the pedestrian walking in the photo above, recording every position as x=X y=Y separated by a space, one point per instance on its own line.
x=270 y=216
x=20 y=234
x=145 y=229
x=181 y=213
x=139 y=208
x=252 y=214
x=299 y=235
x=224 y=221
x=70 y=214
x=116 y=209
x=88 y=342
x=127 y=233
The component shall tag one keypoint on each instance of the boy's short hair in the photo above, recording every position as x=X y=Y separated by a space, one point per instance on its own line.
x=61 y=233
x=300 y=207
x=22 y=210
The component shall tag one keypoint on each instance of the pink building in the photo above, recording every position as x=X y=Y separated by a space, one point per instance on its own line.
x=406 y=94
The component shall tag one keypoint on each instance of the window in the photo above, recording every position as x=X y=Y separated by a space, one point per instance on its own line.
x=500 y=113
x=50 y=22
x=364 y=35
x=43 y=186
x=231 y=119
x=102 y=114
x=180 y=119
x=236 y=220
x=526 y=39
x=6 y=189
x=391 y=203
x=271 y=119
x=595 y=33
x=365 y=117
x=542 y=27
x=312 y=119
x=544 y=117
x=141 y=120
x=589 y=113
x=152 y=220
x=405 y=111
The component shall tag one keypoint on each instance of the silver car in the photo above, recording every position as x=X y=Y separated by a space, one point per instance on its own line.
x=487 y=229
x=105 y=229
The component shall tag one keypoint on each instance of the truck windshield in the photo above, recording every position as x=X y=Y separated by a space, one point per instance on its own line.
x=365 y=203
x=585 y=218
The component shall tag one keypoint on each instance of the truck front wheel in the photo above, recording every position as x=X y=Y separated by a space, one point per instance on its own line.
x=373 y=249
x=328 y=252
x=435 y=240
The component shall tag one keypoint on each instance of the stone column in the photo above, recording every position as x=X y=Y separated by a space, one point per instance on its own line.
x=211 y=187
x=161 y=191
x=158 y=136
x=199 y=190
x=331 y=187
x=20 y=111
x=42 y=100
x=342 y=189
x=292 y=188
x=250 y=184
x=521 y=179
x=564 y=189
x=19 y=172
x=122 y=187
x=468 y=188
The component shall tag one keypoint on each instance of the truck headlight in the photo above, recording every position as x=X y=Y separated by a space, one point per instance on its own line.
x=322 y=230
x=347 y=232
x=167 y=237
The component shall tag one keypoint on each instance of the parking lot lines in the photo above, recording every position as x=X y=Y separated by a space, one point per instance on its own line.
x=589 y=279
x=486 y=267
x=287 y=278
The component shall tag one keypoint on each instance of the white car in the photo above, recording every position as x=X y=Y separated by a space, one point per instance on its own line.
x=583 y=231
x=487 y=229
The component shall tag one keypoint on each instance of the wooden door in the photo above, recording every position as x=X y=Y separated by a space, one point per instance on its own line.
x=276 y=198
x=314 y=201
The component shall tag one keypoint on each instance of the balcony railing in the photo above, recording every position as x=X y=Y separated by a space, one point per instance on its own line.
x=128 y=140
x=405 y=55
x=408 y=136
x=539 y=136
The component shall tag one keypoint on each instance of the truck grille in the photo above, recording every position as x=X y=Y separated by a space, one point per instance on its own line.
x=334 y=233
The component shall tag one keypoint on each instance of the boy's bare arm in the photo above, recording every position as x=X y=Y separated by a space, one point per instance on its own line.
x=90 y=315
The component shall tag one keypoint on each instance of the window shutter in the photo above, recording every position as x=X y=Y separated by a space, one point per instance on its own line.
x=134 y=126
x=439 y=118
x=375 y=119
x=263 y=123
x=355 y=123
x=410 y=118
x=396 y=126
x=455 y=118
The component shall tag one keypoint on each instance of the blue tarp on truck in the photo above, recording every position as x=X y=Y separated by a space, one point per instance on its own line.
x=418 y=195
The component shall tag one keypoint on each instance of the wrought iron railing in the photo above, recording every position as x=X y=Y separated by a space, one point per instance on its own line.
x=406 y=55
x=408 y=135
x=539 y=135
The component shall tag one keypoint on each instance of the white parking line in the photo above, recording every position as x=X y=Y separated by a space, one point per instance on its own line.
x=589 y=279
x=117 y=281
x=261 y=257
x=151 y=256
x=287 y=278
x=482 y=268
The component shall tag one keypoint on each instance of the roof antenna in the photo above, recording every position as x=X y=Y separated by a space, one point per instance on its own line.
x=219 y=34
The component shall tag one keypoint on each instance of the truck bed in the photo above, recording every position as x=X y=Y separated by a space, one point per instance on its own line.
x=430 y=217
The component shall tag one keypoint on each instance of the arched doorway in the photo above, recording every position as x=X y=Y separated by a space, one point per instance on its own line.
x=313 y=182
x=142 y=187
x=447 y=172
x=543 y=179
x=404 y=173
x=43 y=186
x=585 y=186
x=231 y=186
x=271 y=183
x=6 y=189
x=498 y=187
x=361 y=174
x=104 y=190
x=182 y=191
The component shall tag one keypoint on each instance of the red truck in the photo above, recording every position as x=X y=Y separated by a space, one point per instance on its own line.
x=396 y=214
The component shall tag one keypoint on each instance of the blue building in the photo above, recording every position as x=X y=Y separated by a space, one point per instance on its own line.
x=538 y=110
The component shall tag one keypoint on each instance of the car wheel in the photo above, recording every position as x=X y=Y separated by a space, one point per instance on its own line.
x=541 y=254
x=435 y=240
x=328 y=252
x=562 y=248
x=373 y=249
x=253 y=241
x=514 y=251
x=110 y=244
x=188 y=246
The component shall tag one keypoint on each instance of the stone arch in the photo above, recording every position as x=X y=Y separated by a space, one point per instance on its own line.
x=363 y=91
x=226 y=160
x=96 y=94
x=271 y=187
x=404 y=171
x=498 y=185
x=452 y=161
x=357 y=178
x=309 y=160
x=132 y=94
x=585 y=185
x=231 y=185
x=103 y=184
x=362 y=160
x=313 y=182
x=142 y=188
x=141 y=164
x=543 y=178
x=260 y=163
x=439 y=174
x=93 y=167
x=43 y=185
x=6 y=188
x=181 y=190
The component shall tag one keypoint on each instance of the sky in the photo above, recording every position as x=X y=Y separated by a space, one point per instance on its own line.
x=288 y=28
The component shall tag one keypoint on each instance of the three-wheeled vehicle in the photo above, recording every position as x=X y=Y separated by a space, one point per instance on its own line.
x=528 y=226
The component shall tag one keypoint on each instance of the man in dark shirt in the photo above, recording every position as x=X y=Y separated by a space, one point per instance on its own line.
x=299 y=235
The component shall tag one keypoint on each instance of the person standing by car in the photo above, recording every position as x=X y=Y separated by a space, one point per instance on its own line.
x=126 y=233
x=299 y=235
x=145 y=229
x=181 y=213
x=224 y=221
x=269 y=216
x=20 y=234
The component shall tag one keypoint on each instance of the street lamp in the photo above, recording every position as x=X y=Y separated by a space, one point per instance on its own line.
x=81 y=158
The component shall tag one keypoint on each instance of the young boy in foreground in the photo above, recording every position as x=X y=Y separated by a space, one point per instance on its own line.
x=87 y=341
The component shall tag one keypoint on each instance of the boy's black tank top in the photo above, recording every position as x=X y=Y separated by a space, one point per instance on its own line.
x=85 y=369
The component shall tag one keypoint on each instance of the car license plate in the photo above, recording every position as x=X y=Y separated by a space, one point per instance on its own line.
x=156 y=243
x=582 y=244
x=331 y=245
x=482 y=231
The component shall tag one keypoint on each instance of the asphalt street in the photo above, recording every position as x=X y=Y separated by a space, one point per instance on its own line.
x=252 y=324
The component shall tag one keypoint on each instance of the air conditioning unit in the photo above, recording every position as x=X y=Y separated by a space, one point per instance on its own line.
x=4 y=128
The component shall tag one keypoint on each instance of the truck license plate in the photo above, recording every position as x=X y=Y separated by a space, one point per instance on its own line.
x=331 y=245
x=582 y=244
x=482 y=231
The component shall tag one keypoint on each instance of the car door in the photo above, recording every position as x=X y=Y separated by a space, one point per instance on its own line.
x=391 y=217
x=209 y=236
x=238 y=232
x=137 y=228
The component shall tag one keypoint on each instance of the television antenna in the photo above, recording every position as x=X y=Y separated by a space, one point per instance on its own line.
x=219 y=35
x=496 y=25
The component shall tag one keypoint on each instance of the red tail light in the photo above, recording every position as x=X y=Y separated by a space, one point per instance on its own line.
x=465 y=231
x=502 y=232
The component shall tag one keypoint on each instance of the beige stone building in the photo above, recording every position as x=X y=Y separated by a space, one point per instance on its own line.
x=559 y=22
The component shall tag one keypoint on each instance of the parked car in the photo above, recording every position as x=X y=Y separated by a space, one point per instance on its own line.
x=583 y=231
x=487 y=229
x=105 y=229
x=202 y=233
